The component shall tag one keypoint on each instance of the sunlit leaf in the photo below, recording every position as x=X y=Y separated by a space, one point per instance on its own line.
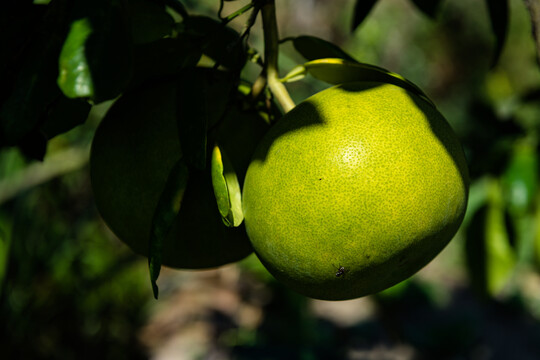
x=164 y=216
x=96 y=59
x=226 y=188
x=339 y=71
x=75 y=79
x=361 y=11
x=312 y=48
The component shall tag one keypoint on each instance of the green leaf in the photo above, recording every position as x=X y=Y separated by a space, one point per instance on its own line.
x=75 y=79
x=490 y=258
x=500 y=255
x=498 y=13
x=5 y=244
x=520 y=178
x=34 y=86
x=339 y=71
x=361 y=11
x=164 y=217
x=226 y=189
x=149 y=21
x=33 y=145
x=164 y=57
x=312 y=48
x=428 y=7
x=218 y=41
x=63 y=115
x=203 y=95
x=96 y=59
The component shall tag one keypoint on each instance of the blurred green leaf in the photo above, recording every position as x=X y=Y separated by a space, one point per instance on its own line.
x=499 y=15
x=166 y=211
x=75 y=79
x=520 y=179
x=361 y=11
x=312 y=48
x=339 y=71
x=428 y=7
x=534 y=10
x=149 y=21
x=490 y=258
x=96 y=59
x=226 y=189
x=5 y=242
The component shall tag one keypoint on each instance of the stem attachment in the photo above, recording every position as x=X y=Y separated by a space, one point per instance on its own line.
x=271 y=51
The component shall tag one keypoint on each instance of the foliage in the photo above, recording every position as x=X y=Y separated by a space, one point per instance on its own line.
x=65 y=62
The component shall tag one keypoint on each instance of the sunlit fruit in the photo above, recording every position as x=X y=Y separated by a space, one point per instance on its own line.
x=355 y=190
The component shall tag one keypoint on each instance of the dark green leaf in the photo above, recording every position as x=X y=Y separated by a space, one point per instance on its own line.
x=63 y=115
x=163 y=58
x=428 y=7
x=149 y=21
x=164 y=217
x=313 y=48
x=35 y=86
x=534 y=10
x=22 y=22
x=96 y=59
x=361 y=10
x=203 y=95
x=490 y=257
x=218 y=41
x=499 y=14
x=475 y=251
x=34 y=145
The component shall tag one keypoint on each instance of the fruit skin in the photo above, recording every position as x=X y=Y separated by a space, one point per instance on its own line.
x=354 y=190
x=133 y=151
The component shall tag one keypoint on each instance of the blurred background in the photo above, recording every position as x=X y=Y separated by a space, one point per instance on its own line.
x=70 y=289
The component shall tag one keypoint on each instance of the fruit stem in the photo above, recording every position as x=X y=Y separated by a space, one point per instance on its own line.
x=271 y=51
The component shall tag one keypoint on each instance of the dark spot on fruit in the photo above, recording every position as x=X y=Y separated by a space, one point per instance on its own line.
x=341 y=271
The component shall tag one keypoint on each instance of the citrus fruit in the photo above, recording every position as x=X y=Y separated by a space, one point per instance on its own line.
x=133 y=151
x=354 y=190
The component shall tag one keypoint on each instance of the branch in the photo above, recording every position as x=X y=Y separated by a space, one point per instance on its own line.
x=534 y=10
x=271 y=51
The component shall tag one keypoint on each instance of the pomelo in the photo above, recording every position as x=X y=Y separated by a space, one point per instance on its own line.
x=355 y=190
x=133 y=151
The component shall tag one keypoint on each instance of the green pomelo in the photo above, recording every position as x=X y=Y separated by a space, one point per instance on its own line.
x=133 y=152
x=355 y=190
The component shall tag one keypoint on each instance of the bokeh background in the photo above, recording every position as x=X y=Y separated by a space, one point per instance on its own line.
x=69 y=289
